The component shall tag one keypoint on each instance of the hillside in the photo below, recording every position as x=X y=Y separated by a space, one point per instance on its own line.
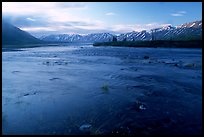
x=15 y=37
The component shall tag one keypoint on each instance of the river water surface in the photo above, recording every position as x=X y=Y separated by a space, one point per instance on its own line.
x=81 y=89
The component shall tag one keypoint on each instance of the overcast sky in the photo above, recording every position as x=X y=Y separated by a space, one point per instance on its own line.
x=43 y=18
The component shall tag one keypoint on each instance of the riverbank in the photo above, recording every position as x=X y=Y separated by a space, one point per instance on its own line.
x=153 y=44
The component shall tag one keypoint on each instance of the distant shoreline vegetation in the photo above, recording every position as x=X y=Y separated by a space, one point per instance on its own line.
x=153 y=44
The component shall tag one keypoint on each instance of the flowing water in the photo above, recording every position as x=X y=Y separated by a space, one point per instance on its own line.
x=81 y=89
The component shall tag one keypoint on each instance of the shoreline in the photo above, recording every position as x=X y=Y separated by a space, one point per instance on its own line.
x=153 y=44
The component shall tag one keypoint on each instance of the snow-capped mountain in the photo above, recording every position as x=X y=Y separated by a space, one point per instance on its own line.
x=134 y=36
x=187 y=31
x=98 y=37
x=95 y=37
x=62 y=38
x=196 y=24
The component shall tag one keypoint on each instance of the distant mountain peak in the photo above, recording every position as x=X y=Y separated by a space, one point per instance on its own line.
x=194 y=24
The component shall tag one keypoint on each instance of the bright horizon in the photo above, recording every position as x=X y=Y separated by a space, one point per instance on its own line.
x=45 y=18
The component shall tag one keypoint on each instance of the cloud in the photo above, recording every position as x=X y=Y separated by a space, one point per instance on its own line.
x=41 y=16
x=31 y=29
x=182 y=12
x=51 y=12
x=25 y=8
x=75 y=5
x=30 y=19
x=110 y=14
x=136 y=27
x=83 y=28
x=178 y=14
x=45 y=18
x=27 y=21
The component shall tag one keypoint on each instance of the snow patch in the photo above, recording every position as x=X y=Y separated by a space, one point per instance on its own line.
x=192 y=25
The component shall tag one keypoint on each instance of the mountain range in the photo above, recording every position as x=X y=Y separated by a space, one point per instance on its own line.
x=13 y=36
x=187 y=31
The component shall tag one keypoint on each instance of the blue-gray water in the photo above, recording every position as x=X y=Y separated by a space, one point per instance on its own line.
x=58 y=89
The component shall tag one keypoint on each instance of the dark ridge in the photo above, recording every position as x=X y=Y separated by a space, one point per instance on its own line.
x=14 y=37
